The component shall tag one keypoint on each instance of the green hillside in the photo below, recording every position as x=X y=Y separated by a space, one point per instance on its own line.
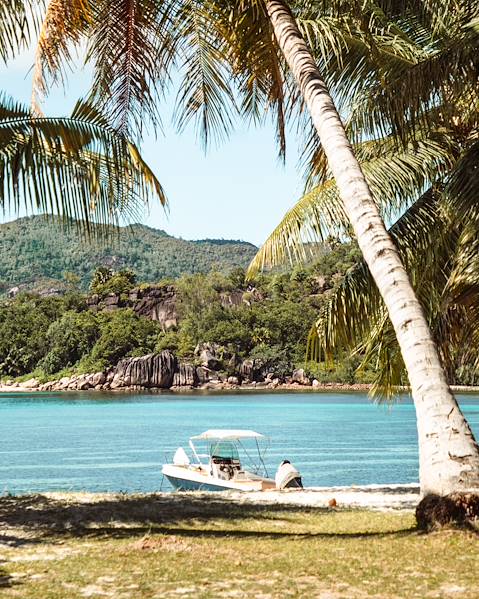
x=37 y=249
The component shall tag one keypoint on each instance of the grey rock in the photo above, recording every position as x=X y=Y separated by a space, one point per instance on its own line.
x=112 y=302
x=152 y=370
x=203 y=374
x=63 y=383
x=99 y=378
x=252 y=370
x=210 y=355
x=247 y=369
x=300 y=377
x=30 y=384
x=185 y=376
x=156 y=303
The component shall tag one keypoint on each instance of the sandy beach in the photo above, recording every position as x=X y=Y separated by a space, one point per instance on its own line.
x=375 y=497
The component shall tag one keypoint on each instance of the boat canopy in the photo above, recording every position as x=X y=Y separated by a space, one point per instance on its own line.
x=232 y=434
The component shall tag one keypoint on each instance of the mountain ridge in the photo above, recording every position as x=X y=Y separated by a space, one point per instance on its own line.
x=44 y=248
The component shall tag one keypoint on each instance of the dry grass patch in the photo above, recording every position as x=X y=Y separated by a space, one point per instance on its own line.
x=186 y=546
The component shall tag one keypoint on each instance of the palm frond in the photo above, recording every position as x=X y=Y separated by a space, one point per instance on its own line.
x=205 y=93
x=19 y=20
x=462 y=191
x=355 y=317
x=399 y=97
x=76 y=167
x=129 y=47
x=396 y=176
x=261 y=76
x=64 y=25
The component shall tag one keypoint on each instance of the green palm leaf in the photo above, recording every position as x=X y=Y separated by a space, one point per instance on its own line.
x=63 y=26
x=19 y=20
x=76 y=167
x=396 y=176
x=205 y=92
x=355 y=317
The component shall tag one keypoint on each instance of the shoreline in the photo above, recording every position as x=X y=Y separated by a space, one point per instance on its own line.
x=387 y=497
x=224 y=388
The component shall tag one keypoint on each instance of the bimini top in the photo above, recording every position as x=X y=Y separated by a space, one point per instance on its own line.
x=228 y=434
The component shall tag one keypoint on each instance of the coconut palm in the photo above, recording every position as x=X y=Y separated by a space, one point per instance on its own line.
x=433 y=147
x=259 y=48
x=78 y=167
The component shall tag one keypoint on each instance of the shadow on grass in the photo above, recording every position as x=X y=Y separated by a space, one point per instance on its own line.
x=130 y=516
x=6 y=581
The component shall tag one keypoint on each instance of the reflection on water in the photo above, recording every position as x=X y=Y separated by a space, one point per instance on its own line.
x=108 y=442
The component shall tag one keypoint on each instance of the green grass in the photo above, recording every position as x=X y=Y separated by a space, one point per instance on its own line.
x=184 y=546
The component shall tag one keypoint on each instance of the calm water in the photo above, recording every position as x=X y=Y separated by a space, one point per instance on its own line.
x=118 y=443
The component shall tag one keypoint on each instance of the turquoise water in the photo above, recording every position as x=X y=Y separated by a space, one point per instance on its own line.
x=101 y=442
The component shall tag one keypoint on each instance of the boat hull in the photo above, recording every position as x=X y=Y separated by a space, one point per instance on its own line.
x=180 y=484
x=183 y=478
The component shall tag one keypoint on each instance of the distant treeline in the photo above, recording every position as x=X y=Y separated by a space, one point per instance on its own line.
x=42 y=252
x=267 y=319
x=52 y=336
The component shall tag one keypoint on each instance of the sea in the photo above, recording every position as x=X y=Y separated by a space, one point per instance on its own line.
x=99 y=442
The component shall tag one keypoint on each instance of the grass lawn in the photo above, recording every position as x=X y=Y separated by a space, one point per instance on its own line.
x=184 y=546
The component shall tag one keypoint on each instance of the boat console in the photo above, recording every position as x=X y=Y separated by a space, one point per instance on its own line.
x=224 y=460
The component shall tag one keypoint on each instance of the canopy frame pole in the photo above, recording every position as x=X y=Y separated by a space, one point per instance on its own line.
x=193 y=449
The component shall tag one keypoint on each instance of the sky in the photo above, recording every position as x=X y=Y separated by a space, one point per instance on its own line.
x=239 y=190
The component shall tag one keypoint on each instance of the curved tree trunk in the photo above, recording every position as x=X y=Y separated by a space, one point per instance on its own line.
x=448 y=452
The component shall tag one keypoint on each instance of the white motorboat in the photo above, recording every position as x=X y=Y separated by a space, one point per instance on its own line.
x=234 y=460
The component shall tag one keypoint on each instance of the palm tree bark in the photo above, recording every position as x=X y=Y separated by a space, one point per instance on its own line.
x=448 y=452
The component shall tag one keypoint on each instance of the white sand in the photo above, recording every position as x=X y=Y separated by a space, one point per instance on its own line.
x=376 y=497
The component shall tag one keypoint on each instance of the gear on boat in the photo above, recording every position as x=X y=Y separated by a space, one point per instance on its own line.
x=223 y=467
x=287 y=476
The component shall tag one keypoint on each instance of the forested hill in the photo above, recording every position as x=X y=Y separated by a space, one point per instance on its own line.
x=37 y=249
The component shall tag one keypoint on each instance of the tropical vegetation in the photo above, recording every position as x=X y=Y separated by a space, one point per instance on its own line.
x=40 y=253
x=413 y=113
x=261 y=50
x=267 y=320
x=77 y=166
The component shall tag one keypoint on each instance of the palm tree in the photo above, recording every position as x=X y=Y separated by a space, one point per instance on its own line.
x=77 y=167
x=134 y=45
x=402 y=165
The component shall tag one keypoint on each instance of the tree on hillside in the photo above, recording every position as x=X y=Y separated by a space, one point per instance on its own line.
x=250 y=44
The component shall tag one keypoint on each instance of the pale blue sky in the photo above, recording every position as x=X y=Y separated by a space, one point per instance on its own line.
x=237 y=191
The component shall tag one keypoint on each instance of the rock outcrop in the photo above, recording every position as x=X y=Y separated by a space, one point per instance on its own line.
x=185 y=376
x=215 y=368
x=153 y=302
x=156 y=303
x=300 y=377
x=150 y=371
x=210 y=355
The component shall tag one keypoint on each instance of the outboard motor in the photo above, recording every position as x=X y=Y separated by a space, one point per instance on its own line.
x=287 y=476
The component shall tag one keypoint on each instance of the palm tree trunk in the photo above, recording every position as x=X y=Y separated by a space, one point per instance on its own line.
x=448 y=452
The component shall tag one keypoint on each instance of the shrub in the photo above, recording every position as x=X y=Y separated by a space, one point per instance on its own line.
x=69 y=339
x=121 y=333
